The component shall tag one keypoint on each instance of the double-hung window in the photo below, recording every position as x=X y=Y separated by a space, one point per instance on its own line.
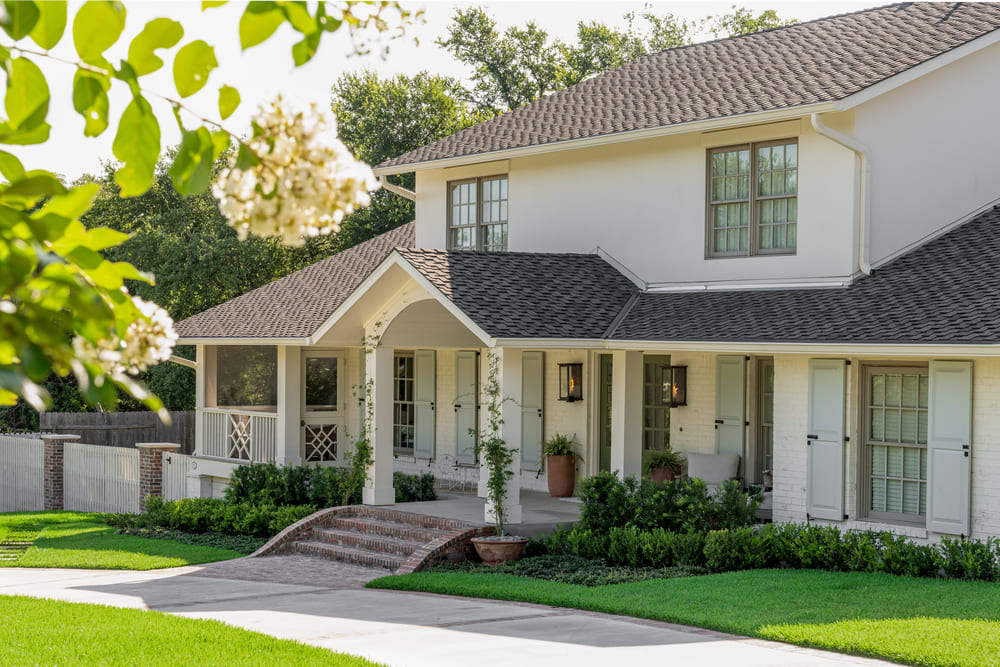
x=752 y=199
x=477 y=214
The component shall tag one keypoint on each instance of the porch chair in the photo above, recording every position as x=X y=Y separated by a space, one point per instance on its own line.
x=714 y=469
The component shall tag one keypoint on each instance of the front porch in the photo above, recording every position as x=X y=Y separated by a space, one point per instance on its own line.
x=540 y=512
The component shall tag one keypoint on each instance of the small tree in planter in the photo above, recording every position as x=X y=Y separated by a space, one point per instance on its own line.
x=560 y=464
x=497 y=457
x=664 y=465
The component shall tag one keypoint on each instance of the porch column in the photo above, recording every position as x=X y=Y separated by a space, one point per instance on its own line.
x=289 y=445
x=378 y=486
x=509 y=366
x=626 y=413
x=204 y=391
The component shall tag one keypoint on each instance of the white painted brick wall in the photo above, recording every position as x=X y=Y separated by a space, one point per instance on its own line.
x=791 y=377
x=692 y=427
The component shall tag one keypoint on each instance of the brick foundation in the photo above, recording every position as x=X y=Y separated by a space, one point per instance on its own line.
x=151 y=469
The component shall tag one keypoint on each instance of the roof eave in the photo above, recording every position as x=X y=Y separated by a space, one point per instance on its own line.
x=236 y=340
x=726 y=122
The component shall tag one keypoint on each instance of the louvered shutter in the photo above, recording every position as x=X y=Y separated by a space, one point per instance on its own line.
x=532 y=376
x=825 y=438
x=466 y=399
x=949 y=445
x=730 y=404
x=424 y=387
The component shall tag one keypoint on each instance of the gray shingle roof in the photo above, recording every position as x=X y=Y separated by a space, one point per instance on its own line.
x=528 y=295
x=818 y=61
x=296 y=305
x=944 y=292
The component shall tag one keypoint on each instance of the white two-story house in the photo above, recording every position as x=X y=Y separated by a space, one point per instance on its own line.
x=781 y=245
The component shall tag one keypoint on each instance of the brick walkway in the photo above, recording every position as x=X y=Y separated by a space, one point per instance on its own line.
x=294 y=569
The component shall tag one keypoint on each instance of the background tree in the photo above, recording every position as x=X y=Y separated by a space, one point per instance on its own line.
x=742 y=21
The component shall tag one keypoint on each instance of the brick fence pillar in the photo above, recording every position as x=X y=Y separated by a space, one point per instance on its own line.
x=151 y=469
x=54 y=468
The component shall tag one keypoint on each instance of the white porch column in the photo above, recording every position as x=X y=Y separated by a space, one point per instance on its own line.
x=204 y=391
x=289 y=445
x=509 y=365
x=626 y=413
x=378 y=487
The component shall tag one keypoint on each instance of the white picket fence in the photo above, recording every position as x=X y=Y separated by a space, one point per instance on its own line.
x=175 y=467
x=100 y=479
x=22 y=473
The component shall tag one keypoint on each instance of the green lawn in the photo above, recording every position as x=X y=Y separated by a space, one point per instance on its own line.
x=915 y=621
x=47 y=632
x=78 y=539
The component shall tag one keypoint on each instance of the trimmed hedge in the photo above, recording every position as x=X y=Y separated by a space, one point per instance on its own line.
x=779 y=545
x=212 y=515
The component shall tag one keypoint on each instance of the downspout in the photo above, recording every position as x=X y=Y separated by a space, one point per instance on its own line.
x=397 y=190
x=863 y=198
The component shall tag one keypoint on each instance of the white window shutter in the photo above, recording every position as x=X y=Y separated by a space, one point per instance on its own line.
x=730 y=404
x=532 y=387
x=949 y=444
x=424 y=388
x=466 y=400
x=825 y=439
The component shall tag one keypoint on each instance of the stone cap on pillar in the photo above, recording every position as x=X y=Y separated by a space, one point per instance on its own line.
x=58 y=436
x=169 y=446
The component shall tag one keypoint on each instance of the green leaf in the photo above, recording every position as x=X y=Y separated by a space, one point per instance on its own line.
x=158 y=34
x=246 y=158
x=259 y=21
x=24 y=136
x=90 y=99
x=192 y=65
x=229 y=99
x=192 y=168
x=10 y=167
x=72 y=204
x=51 y=23
x=38 y=185
x=18 y=18
x=300 y=18
x=220 y=142
x=97 y=26
x=137 y=145
x=27 y=98
x=303 y=51
x=209 y=4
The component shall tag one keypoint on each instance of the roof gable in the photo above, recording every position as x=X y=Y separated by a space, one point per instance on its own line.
x=818 y=61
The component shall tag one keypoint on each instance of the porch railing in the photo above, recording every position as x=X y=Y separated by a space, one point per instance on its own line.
x=243 y=435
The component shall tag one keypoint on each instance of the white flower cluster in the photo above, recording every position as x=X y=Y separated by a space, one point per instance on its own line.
x=305 y=184
x=148 y=340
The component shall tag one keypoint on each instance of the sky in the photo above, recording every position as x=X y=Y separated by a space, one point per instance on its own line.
x=263 y=72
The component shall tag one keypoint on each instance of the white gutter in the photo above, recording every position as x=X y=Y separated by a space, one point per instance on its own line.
x=397 y=190
x=863 y=198
x=184 y=362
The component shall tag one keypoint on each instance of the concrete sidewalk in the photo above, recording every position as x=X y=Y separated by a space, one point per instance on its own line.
x=407 y=629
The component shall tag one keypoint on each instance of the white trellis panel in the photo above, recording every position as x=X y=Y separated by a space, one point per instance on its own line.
x=100 y=479
x=22 y=474
x=175 y=468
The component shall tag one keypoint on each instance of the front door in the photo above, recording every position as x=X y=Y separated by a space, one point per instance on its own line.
x=322 y=405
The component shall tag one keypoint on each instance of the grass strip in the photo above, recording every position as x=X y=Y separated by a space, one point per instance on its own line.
x=81 y=540
x=49 y=632
x=915 y=621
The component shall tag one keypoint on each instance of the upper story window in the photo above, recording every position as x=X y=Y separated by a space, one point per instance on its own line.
x=477 y=214
x=752 y=199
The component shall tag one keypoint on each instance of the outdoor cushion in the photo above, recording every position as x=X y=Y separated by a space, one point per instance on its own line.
x=713 y=468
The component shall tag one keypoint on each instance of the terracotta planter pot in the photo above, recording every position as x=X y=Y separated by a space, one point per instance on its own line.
x=496 y=550
x=661 y=475
x=561 y=473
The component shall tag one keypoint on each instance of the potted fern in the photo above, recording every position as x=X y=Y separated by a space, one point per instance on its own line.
x=560 y=464
x=497 y=457
x=664 y=465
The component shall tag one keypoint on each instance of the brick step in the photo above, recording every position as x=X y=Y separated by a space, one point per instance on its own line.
x=349 y=554
x=405 y=531
x=371 y=542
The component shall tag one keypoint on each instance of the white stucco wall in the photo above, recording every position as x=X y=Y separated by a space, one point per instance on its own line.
x=644 y=202
x=935 y=146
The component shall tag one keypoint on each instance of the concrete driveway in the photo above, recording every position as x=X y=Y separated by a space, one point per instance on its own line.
x=328 y=607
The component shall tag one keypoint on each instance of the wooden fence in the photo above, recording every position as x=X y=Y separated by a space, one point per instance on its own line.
x=22 y=473
x=122 y=429
x=175 y=468
x=100 y=479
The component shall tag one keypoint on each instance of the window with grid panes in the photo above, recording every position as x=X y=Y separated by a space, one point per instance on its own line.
x=477 y=214
x=896 y=442
x=403 y=408
x=656 y=403
x=752 y=199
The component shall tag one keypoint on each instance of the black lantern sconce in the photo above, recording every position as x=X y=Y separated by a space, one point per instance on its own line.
x=570 y=382
x=675 y=385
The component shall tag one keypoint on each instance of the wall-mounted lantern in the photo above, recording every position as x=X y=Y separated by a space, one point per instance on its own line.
x=570 y=382
x=675 y=385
